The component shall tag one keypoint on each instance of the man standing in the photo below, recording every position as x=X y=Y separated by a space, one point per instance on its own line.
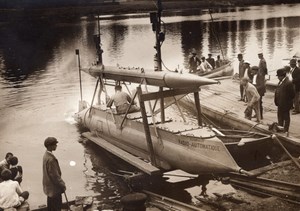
x=284 y=95
x=241 y=74
x=253 y=99
x=53 y=184
x=295 y=73
x=194 y=62
x=259 y=82
x=262 y=66
x=219 y=62
x=211 y=61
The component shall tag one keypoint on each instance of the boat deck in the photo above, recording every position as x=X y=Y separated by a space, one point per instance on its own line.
x=224 y=98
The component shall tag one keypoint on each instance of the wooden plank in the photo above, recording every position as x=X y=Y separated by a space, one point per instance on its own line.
x=198 y=108
x=131 y=159
x=262 y=170
x=146 y=127
x=167 y=93
x=169 y=203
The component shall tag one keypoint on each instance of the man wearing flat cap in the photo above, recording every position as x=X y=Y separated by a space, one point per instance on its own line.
x=284 y=95
x=53 y=184
x=295 y=73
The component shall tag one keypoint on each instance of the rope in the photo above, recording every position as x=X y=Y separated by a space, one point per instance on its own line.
x=166 y=66
x=215 y=34
x=253 y=127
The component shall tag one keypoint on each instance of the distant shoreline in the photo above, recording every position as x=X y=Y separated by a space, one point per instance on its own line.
x=70 y=13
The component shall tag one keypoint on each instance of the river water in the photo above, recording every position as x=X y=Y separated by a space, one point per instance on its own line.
x=39 y=88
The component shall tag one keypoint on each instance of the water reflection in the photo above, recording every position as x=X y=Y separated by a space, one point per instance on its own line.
x=28 y=47
x=24 y=50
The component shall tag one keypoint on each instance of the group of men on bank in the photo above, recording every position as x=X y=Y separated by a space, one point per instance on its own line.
x=203 y=65
x=11 y=194
x=253 y=88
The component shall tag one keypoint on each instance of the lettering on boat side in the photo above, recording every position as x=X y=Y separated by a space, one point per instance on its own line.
x=199 y=145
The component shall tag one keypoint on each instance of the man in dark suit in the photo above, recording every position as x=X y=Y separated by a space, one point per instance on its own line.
x=53 y=184
x=284 y=95
x=241 y=74
x=295 y=73
x=262 y=64
x=211 y=61
x=258 y=80
x=194 y=62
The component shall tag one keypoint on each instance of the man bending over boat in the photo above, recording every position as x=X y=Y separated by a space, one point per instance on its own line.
x=122 y=101
x=253 y=99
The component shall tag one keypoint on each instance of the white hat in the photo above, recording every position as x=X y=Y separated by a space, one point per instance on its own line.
x=246 y=62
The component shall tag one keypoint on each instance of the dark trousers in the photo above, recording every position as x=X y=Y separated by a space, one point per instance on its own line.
x=284 y=119
x=242 y=91
x=261 y=107
x=297 y=101
x=54 y=203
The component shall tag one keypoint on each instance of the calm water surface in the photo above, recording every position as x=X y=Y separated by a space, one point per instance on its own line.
x=39 y=88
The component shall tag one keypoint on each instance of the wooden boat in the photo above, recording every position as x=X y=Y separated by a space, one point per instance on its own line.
x=246 y=147
x=238 y=138
x=224 y=70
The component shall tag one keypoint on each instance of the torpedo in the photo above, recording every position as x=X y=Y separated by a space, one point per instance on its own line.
x=155 y=78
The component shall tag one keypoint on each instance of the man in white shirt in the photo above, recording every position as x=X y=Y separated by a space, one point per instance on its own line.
x=11 y=194
x=205 y=66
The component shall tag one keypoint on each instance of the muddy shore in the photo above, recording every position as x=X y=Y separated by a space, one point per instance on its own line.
x=76 y=11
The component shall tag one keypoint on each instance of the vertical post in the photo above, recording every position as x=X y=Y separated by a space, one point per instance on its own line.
x=146 y=127
x=98 y=43
x=162 y=106
x=157 y=33
x=79 y=67
x=158 y=54
x=198 y=108
x=95 y=91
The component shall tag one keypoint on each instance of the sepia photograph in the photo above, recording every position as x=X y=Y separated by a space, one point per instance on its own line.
x=149 y=105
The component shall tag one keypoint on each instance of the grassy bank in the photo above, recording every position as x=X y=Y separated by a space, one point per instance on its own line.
x=74 y=12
